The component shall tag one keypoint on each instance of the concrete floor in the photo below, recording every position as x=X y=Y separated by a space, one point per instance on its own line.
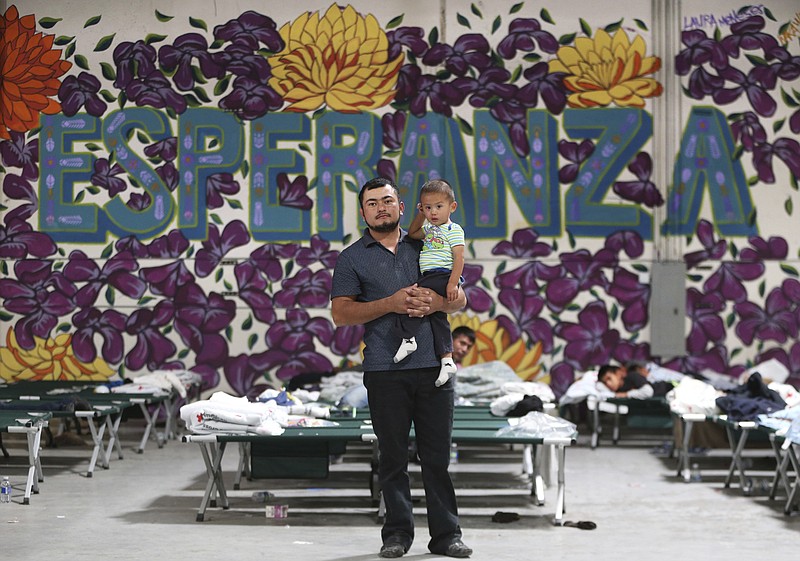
x=144 y=507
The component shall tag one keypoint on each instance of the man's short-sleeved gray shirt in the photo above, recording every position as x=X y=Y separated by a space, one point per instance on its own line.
x=367 y=270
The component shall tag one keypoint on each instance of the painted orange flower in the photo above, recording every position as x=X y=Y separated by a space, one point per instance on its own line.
x=340 y=60
x=50 y=359
x=29 y=72
x=492 y=342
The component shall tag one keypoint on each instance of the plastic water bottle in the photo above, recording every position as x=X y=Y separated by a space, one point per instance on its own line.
x=261 y=496
x=454 y=453
x=695 y=474
x=5 y=491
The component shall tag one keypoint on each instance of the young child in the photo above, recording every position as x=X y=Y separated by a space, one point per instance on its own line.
x=441 y=263
x=624 y=383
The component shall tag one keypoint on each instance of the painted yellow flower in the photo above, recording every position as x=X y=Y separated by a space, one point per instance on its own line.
x=340 y=60
x=492 y=342
x=607 y=70
x=50 y=359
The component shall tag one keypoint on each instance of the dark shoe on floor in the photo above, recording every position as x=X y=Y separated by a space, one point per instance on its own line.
x=458 y=549
x=392 y=550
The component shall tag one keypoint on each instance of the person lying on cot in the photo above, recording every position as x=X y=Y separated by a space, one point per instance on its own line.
x=624 y=382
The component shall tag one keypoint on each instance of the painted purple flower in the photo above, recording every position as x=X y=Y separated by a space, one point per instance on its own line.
x=116 y=273
x=109 y=324
x=526 y=309
x=139 y=201
x=387 y=169
x=251 y=99
x=478 y=300
x=786 y=65
x=470 y=51
x=589 y=342
x=216 y=247
x=634 y=296
x=16 y=153
x=747 y=129
x=703 y=310
x=393 y=125
x=152 y=347
x=714 y=359
x=19 y=189
x=786 y=149
x=154 y=90
x=180 y=55
x=169 y=175
x=576 y=153
x=514 y=113
x=490 y=84
x=790 y=359
x=133 y=60
x=523 y=35
x=628 y=241
x=165 y=280
x=628 y=351
x=411 y=38
x=18 y=240
x=243 y=61
x=700 y=49
x=219 y=184
x=305 y=289
x=347 y=340
x=747 y=35
x=773 y=248
x=291 y=344
x=791 y=290
x=40 y=295
x=253 y=291
x=199 y=319
x=727 y=280
x=251 y=29
x=775 y=322
x=105 y=176
x=245 y=373
x=585 y=271
x=548 y=85
x=524 y=244
x=419 y=89
x=293 y=193
x=267 y=259
x=132 y=245
x=166 y=149
x=703 y=83
x=711 y=249
x=81 y=91
x=747 y=84
x=169 y=246
x=642 y=191
x=562 y=375
x=317 y=252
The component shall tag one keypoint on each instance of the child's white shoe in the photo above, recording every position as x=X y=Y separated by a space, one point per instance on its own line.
x=407 y=347
x=447 y=371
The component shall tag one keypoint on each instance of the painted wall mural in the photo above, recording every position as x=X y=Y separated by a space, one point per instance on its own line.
x=175 y=191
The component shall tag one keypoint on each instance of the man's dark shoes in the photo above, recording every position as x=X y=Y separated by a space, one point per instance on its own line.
x=392 y=550
x=458 y=549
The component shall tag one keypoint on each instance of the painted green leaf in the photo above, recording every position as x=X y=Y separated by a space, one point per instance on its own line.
x=567 y=38
x=788 y=206
x=104 y=43
x=516 y=8
x=463 y=21
x=585 y=27
x=62 y=40
x=94 y=20
x=154 y=38
x=245 y=169
x=768 y=13
x=433 y=36
x=789 y=270
x=234 y=203
x=109 y=73
x=247 y=323
x=216 y=219
x=63 y=327
x=198 y=23
x=465 y=127
x=47 y=23
x=640 y=24
x=81 y=62
x=201 y=94
x=222 y=85
x=110 y=295
x=778 y=125
x=496 y=24
x=545 y=15
x=93 y=146
x=394 y=22
x=68 y=52
x=474 y=9
x=757 y=60
x=788 y=100
x=532 y=57
x=218 y=275
x=251 y=341
x=612 y=27
x=163 y=17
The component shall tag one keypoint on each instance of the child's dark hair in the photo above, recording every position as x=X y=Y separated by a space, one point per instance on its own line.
x=605 y=369
x=464 y=331
x=438 y=186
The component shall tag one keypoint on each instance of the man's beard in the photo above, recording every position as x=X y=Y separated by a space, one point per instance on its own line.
x=384 y=227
